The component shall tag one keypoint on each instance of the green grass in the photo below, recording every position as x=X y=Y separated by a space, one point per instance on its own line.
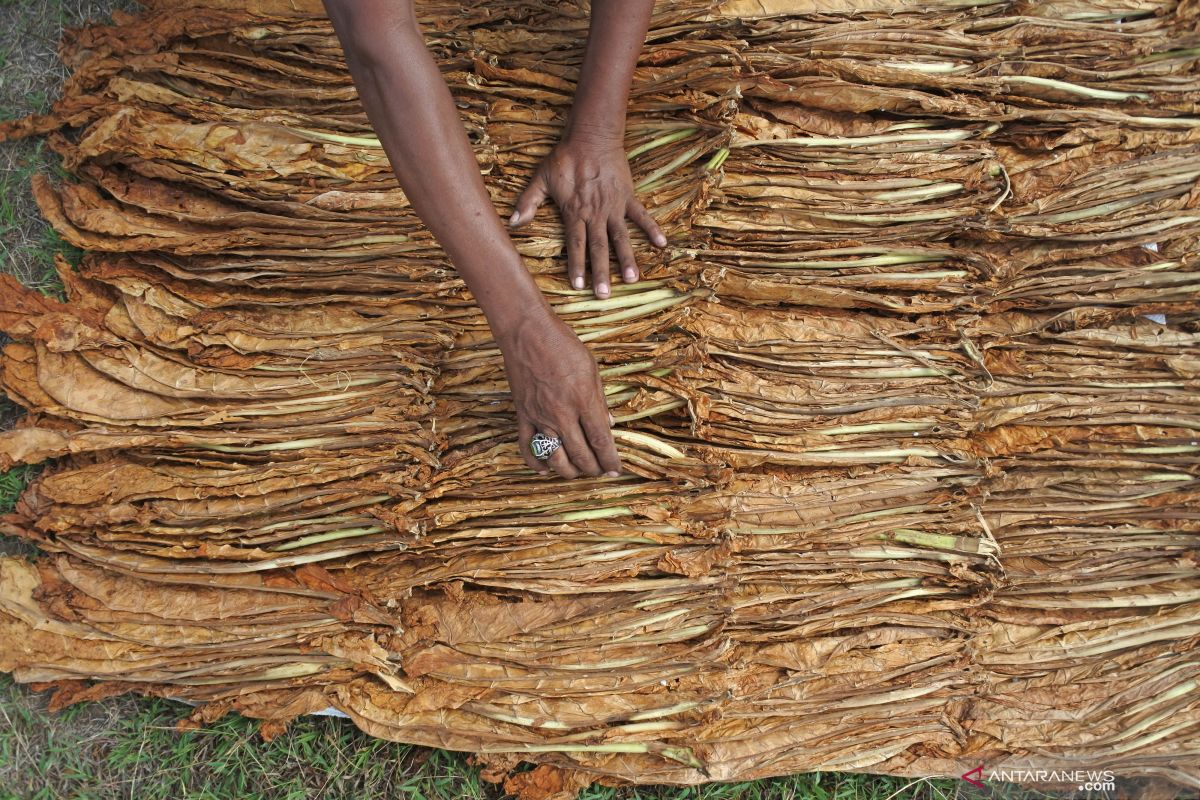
x=39 y=243
x=12 y=483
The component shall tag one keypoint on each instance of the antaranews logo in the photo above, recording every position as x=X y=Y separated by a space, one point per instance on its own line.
x=1084 y=779
x=977 y=780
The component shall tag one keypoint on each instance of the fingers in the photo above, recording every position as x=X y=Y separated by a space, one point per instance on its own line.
x=638 y=213
x=576 y=232
x=525 y=432
x=587 y=448
x=600 y=438
x=579 y=451
x=559 y=460
x=529 y=202
x=620 y=239
x=597 y=235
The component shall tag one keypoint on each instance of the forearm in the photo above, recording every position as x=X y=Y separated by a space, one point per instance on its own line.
x=615 y=39
x=413 y=114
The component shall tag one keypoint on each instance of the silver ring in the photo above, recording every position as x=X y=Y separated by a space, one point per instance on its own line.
x=543 y=446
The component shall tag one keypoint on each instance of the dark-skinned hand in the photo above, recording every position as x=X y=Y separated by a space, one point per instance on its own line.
x=557 y=391
x=589 y=180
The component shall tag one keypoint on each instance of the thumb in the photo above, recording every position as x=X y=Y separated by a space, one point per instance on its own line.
x=530 y=200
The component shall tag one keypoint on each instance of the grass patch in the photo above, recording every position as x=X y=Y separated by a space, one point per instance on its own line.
x=13 y=482
x=27 y=243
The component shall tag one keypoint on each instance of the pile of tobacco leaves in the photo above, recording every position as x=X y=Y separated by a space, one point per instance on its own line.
x=908 y=410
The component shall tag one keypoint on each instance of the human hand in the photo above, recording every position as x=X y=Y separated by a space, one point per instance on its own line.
x=590 y=181
x=557 y=391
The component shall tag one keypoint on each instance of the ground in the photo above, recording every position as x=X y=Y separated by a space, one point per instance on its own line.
x=127 y=747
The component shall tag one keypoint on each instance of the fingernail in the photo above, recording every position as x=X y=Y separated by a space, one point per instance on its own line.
x=577 y=281
x=543 y=472
x=660 y=240
x=516 y=215
x=630 y=275
x=602 y=291
x=611 y=420
x=612 y=474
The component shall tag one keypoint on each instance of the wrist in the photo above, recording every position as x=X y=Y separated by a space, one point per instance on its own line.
x=594 y=135
x=524 y=312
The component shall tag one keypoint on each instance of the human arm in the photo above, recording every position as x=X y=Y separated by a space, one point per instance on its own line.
x=553 y=377
x=587 y=174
